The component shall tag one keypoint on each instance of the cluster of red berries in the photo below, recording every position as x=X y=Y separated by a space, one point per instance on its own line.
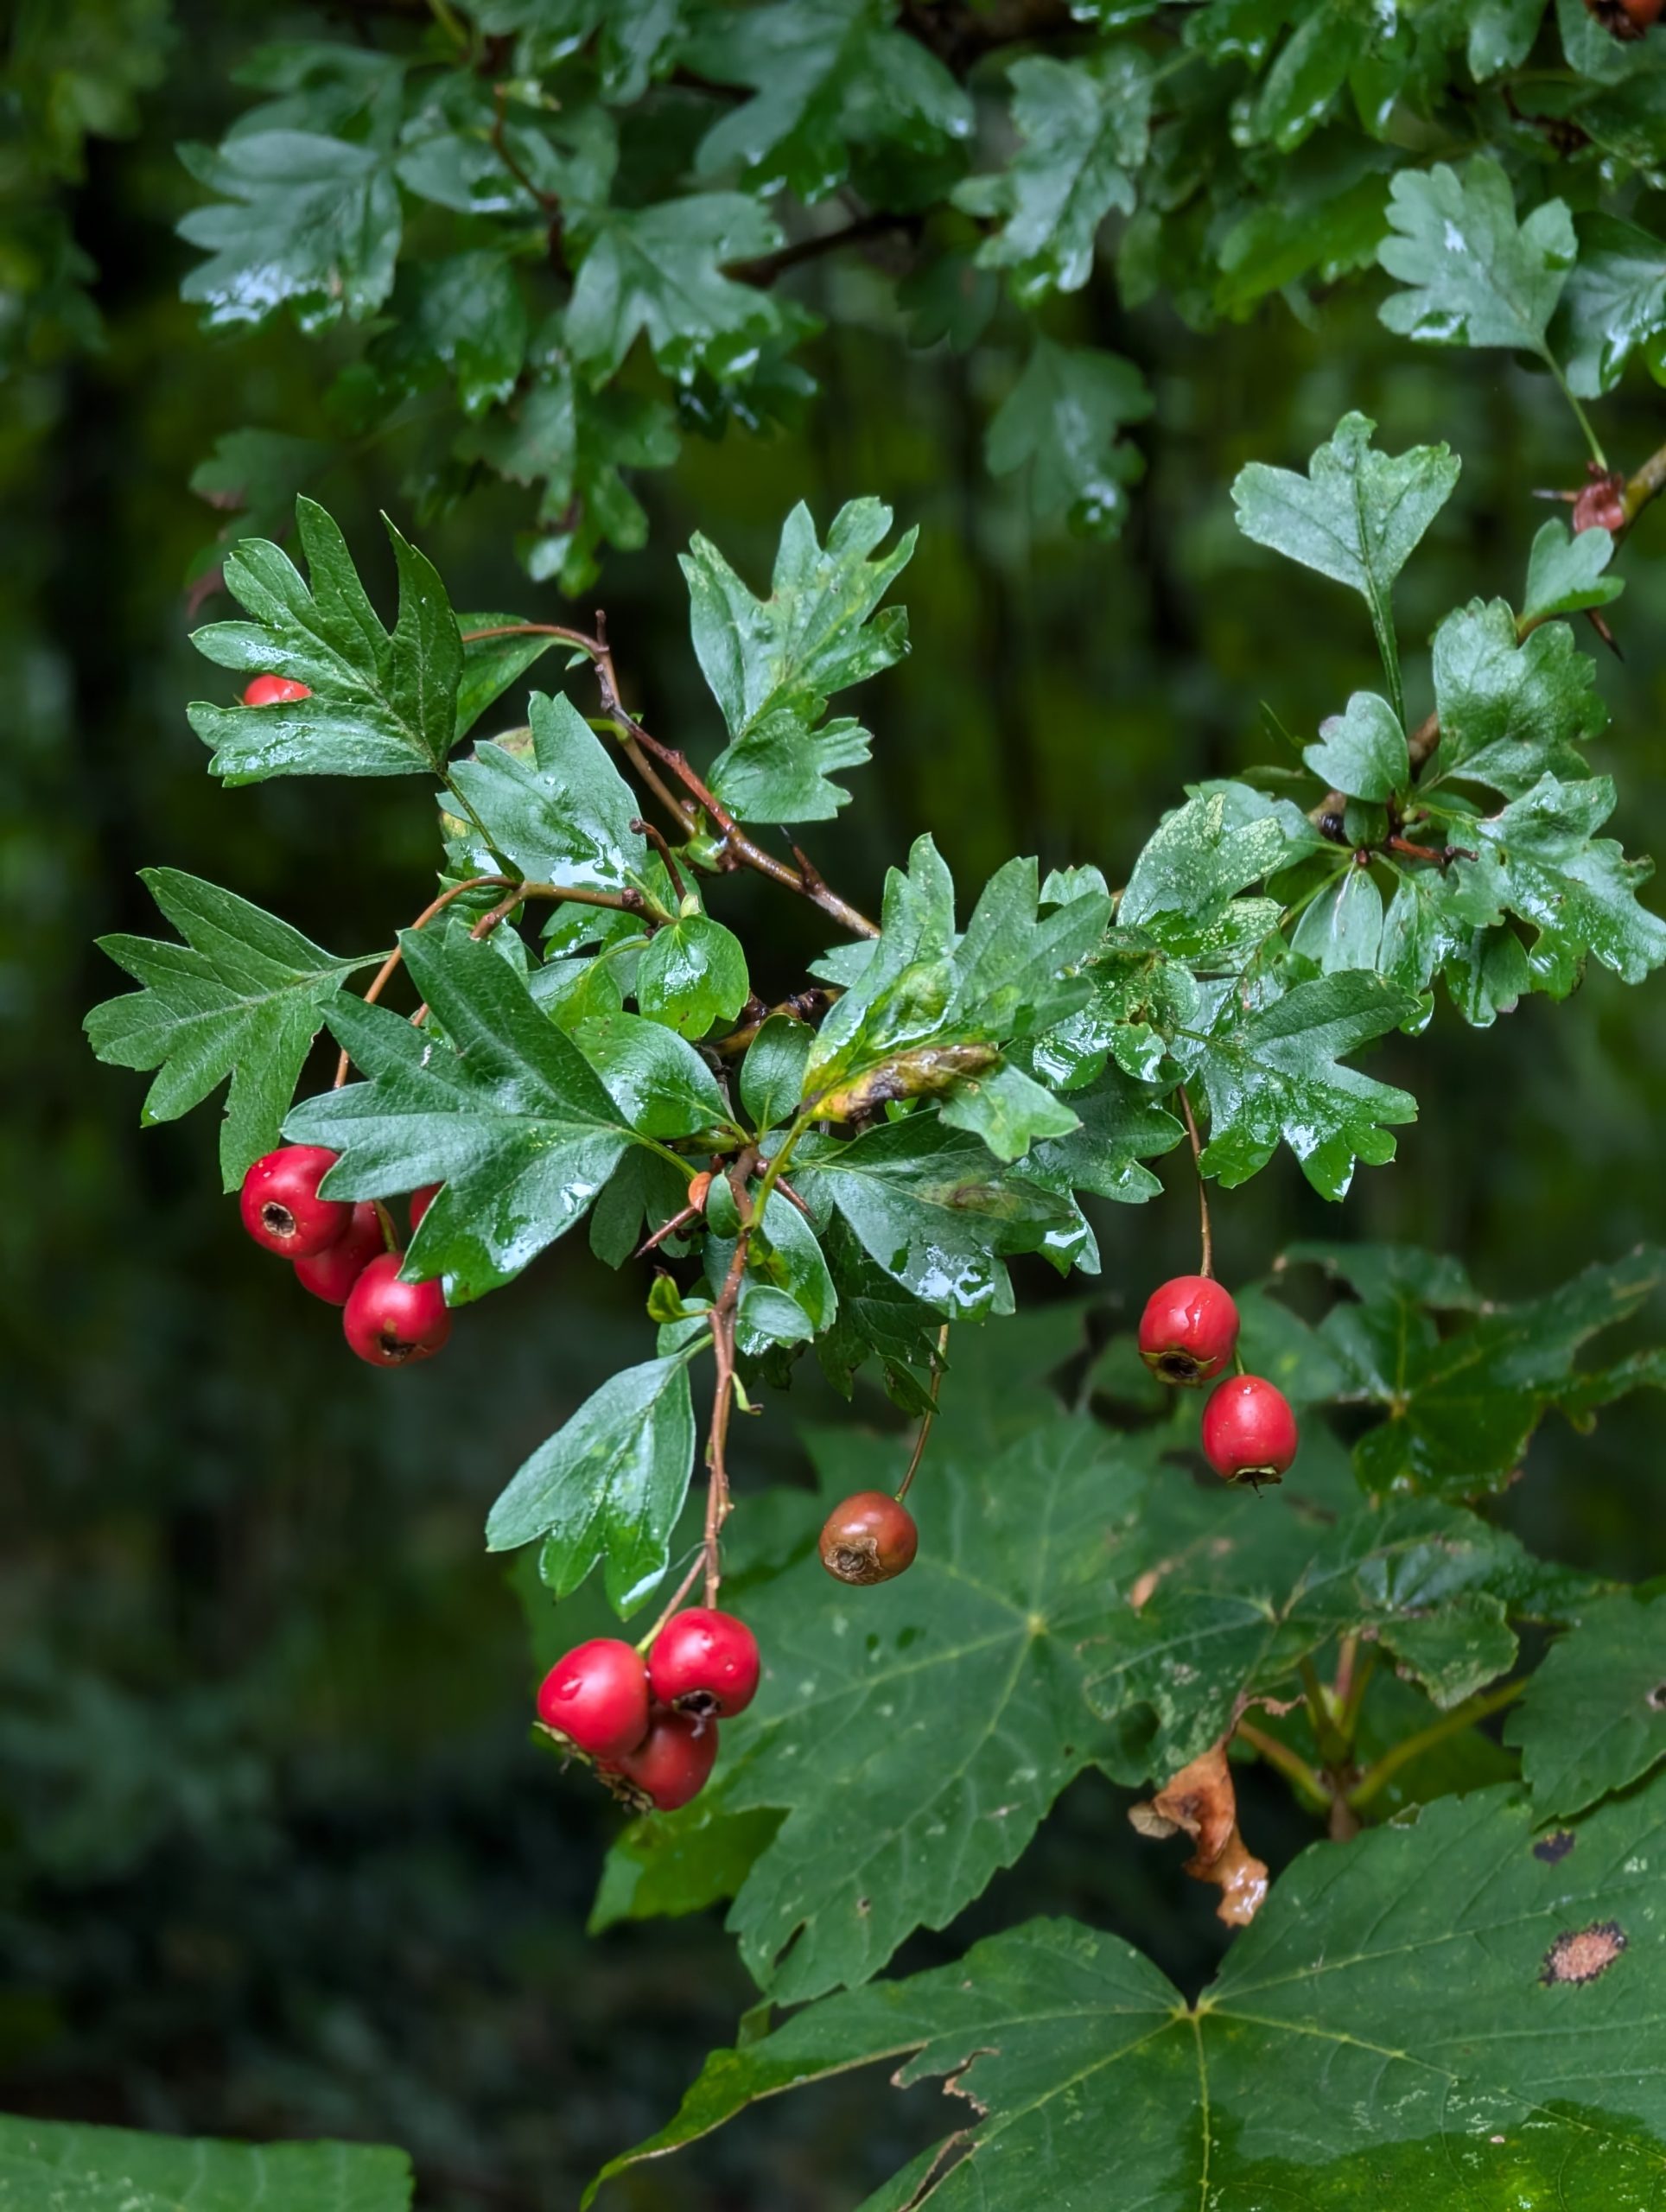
x=343 y=1254
x=1188 y=1332
x=651 y=1724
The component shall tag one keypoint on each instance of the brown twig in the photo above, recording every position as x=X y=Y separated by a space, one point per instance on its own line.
x=802 y=1006
x=657 y=838
x=1206 y=1266
x=768 y=266
x=383 y=974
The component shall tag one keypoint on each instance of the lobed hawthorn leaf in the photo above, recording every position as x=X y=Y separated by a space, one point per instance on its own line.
x=658 y=272
x=1362 y=752
x=243 y=996
x=1614 y=300
x=45 y=2165
x=502 y=1108
x=1593 y=1720
x=1461 y=1406
x=1474 y=276
x=772 y=663
x=607 y=1487
x=1564 y=572
x=691 y=975
x=1276 y=1073
x=1182 y=890
x=564 y=815
x=253 y=476
x=1064 y=420
x=304 y=220
x=1327 y=40
x=877 y=1318
x=1511 y=709
x=829 y=76
x=658 y=1082
x=1356 y=517
x=772 y=1072
x=382 y=703
x=1085 y=126
x=463 y=317
x=1342 y=928
x=1294 y=2078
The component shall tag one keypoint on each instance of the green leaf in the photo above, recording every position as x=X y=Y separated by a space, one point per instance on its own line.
x=1008 y=1109
x=382 y=704
x=931 y=1207
x=1274 y=1074
x=608 y=1486
x=1460 y=1403
x=692 y=976
x=1614 y=302
x=1474 y=277
x=491 y=665
x=1564 y=572
x=1501 y=36
x=1064 y=419
x=244 y=995
x=658 y=1082
x=1293 y=2079
x=772 y=1072
x=1593 y=1720
x=772 y=663
x=658 y=271
x=463 y=317
x=506 y=1113
x=1121 y=1124
x=1085 y=125
x=1362 y=752
x=1356 y=517
x=891 y=1823
x=1343 y=926
x=876 y=1317
x=1329 y=38
x=1511 y=710
x=58 y=2166
x=668 y=1864
x=258 y=475
x=563 y=816
x=829 y=75
x=1182 y=890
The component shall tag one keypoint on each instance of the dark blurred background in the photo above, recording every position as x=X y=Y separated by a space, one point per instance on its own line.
x=275 y=1855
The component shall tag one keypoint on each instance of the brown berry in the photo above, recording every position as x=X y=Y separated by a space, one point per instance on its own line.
x=870 y=1538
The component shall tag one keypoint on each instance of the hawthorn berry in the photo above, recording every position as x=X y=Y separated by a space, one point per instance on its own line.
x=870 y=1538
x=597 y=1697
x=1249 y=1430
x=1188 y=1328
x=1601 y=504
x=1626 y=19
x=281 y=1207
x=390 y=1323
x=704 y=1664
x=330 y=1274
x=673 y=1762
x=274 y=691
x=420 y=1201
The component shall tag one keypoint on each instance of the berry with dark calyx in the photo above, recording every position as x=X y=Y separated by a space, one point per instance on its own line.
x=1626 y=19
x=281 y=1207
x=1188 y=1328
x=673 y=1762
x=392 y=1324
x=870 y=1538
x=330 y=1274
x=420 y=1201
x=704 y=1664
x=597 y=1698
x=274 y=691
x=1249 y=1433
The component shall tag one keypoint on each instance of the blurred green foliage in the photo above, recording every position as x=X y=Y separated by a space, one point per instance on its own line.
x=275 y=1855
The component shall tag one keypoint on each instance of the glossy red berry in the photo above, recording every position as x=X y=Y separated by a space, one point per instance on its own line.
x=420 y=1201
x=330 y=1274
x=674 y=1761
x=704 y=1662
x=281 y=1207
x=1188 y=1328
x=597 y=1697
x=274 y=691
x=390 y=1323
x=870 y=1538
x=1249 y=1430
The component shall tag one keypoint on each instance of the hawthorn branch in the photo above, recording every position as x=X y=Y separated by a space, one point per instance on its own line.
x=767 y=267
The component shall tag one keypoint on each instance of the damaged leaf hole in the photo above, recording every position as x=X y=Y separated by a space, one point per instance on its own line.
x=1656 y=1699
x=1579 y=1957
x=1555 y=1848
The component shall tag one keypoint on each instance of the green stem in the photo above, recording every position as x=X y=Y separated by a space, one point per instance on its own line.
x=1411 y=1747
x=1289 y=1764
x=1581 y=417
x=1388 y=646
x=1308 y=897
x=1331 y=1748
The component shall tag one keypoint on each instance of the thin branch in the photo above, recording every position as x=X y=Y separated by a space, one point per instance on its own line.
x=1207 y=1264
x=1289 y=1764
x=383 y=974
x=929 y=1418
x=658 y=840
x=1450 y=1724
x=768 y=266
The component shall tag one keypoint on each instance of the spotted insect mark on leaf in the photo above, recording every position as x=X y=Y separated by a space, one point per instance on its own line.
x=1555 y=1848
x=1580 y=1956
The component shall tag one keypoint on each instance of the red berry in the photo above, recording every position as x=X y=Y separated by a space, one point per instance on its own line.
x=330 y=1274
x=281 y=1207
x=1249 y=1430
x=1601 y=504
x=870 y=1538
x=1188 y=1328
x=597 y=1697
x=674 y=1761
x=420 y=1201
x=274 y=691
x=1625 y=19
x=704 y=1662
x=391 y=1323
